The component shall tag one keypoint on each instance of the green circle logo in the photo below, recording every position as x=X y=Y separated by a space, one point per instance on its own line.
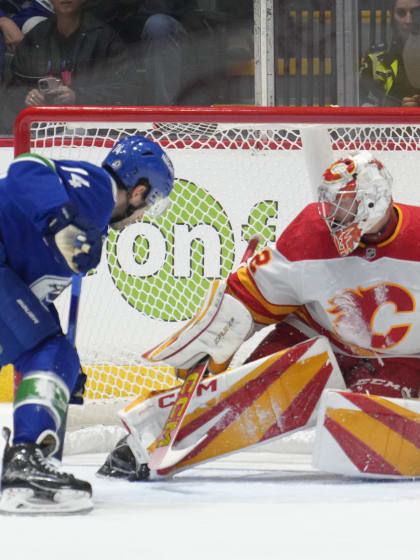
x=164 y=267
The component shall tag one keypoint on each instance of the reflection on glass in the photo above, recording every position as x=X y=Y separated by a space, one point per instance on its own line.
x=390 y=66
x=201 y=52
x=305 y=50
x=150 y=52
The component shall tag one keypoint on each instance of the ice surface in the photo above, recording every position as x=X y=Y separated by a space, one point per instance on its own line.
x=250 y=506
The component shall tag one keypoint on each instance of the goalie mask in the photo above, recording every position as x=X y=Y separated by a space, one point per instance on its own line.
x=353 y=197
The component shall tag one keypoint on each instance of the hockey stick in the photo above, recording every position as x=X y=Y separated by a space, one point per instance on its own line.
x=163 y=455
x=76 y=286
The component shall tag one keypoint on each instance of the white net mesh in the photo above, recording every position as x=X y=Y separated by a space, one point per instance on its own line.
x=233 y=180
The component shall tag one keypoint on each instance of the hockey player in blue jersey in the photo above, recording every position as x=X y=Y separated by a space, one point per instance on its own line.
x=53 y=217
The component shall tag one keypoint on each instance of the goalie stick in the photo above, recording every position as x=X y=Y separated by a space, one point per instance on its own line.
x=163 y=454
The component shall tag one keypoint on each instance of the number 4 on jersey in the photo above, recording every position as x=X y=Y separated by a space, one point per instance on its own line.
x=76 y=180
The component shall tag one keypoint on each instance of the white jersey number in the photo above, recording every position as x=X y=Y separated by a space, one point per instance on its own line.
x=76 y=180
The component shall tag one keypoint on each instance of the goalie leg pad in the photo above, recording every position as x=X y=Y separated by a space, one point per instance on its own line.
x=246 y=406
x=368 y=436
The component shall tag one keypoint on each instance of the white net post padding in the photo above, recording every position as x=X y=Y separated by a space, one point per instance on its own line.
x=250 y=175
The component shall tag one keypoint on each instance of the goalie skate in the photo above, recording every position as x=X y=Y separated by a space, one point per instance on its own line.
x=121 y=463
x=32 y=485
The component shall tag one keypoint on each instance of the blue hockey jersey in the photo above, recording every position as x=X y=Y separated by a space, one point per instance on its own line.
x=31 y=192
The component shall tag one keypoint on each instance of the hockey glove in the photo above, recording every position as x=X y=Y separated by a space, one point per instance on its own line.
x=218 y=329
x=75 y=238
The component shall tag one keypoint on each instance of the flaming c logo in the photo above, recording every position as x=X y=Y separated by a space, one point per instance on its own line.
x=335 y=171
x=372 y=314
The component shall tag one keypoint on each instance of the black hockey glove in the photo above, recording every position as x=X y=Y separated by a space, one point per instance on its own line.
x=75 y=238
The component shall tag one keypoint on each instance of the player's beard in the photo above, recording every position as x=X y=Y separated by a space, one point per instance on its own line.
x=130 y=216
x=121 y=213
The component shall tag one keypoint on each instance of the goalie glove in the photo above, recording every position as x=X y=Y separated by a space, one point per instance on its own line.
x=75 y=239
x=217 y=330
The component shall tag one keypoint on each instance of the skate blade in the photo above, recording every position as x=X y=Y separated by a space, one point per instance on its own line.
x=25 y=501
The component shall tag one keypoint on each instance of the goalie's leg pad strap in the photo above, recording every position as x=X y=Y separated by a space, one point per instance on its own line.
x=368 y=436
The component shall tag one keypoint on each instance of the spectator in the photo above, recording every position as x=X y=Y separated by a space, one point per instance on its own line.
x=86 y=57
x=383 y=78
x=411 y=55
x=163 y=48
x=159 y=33
x=28 y=16
x=16 y=20
x=177 y=45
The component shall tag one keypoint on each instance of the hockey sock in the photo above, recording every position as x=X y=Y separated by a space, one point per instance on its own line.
x=40 y=404
x=30 y=421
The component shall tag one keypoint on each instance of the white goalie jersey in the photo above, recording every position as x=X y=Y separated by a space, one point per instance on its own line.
x=367 y=303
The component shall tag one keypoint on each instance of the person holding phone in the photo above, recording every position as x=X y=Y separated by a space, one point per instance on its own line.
x=86 y=57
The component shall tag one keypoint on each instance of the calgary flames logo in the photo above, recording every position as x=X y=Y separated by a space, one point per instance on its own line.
x=345 y=168
x=335 y=171
x=375 y=317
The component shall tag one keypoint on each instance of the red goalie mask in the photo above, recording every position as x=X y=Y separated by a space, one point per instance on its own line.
x=353 y=197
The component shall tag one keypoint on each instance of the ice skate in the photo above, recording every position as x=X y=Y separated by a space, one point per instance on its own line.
x=31 y=484
x=121 y=463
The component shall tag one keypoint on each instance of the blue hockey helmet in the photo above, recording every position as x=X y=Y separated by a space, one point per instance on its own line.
x=134 y=158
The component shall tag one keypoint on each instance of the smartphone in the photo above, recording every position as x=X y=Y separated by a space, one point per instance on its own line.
x=48 y=85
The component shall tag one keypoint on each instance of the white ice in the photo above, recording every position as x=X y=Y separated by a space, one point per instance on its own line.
x=249 y=506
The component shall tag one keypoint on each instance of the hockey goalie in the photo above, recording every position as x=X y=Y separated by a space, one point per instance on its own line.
x=340 y=289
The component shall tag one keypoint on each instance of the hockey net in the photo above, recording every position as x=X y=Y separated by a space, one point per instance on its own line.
x=239 y=171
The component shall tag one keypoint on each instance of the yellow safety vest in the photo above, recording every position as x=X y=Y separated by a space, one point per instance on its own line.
x=386 y=74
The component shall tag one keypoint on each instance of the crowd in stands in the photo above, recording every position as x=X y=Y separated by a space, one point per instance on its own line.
x=108 y=52
x=161 y=52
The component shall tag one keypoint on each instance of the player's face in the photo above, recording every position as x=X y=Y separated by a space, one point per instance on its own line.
x=137 y=201
x=340 y=215
x=343 y=210
x=403 y=18
x=129 y=207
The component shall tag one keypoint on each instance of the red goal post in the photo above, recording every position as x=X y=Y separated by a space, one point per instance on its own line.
x=239 y=171
x=273 y=115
